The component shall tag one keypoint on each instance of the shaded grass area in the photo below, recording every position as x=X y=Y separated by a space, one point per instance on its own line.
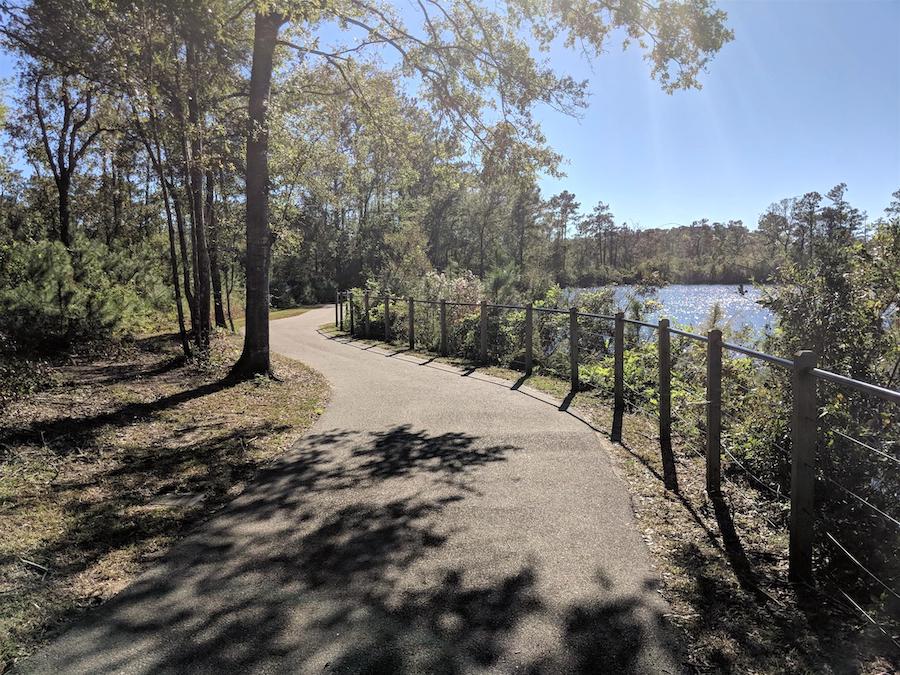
x=100 y=473
x=240 y=321
x=723 y=563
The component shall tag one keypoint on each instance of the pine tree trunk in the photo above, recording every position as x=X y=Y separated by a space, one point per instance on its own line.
x=198 y=220
x=214 y=271
x=65 y=235
x=182 y=244
x=173 y=259
x=255 y=357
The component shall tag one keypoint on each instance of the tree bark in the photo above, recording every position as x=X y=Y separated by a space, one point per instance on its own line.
x=198 y=219
x=255 y=356
x=182 y=244
x=215 y=272
x=65 y=233
x=173 y=258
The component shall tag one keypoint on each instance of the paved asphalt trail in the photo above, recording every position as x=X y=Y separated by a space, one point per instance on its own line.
x=429 y=522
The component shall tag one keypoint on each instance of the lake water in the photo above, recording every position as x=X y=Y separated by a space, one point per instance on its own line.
x=691 y=304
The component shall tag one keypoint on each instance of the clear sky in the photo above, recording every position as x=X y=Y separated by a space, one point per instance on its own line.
x=805 y=97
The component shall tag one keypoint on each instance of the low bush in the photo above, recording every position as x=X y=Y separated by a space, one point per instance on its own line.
x=52 y=298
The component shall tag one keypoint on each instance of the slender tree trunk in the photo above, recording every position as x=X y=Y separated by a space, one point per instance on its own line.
x=214 y=270
x=198 y=220
x=65 y=234
x=182 y=244
x=173 y=258
x=116 y=201
x=481 y=251
x=255 y=357
x=229 y=286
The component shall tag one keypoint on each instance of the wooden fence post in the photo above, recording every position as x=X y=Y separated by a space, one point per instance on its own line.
x=482 y=352
x=619 y=378
x=366 y=314
x=529 y=338
x=350 y=306
x=804 y=436
x=387 y=317
x=670 y=478
x=714 y=412
x=443 y=328
x=412 y=323
x=573 y=348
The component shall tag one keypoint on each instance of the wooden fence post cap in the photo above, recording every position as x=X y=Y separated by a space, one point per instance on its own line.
x=805 y=359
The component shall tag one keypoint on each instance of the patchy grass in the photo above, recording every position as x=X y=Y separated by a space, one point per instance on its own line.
x=723 y=563
x=240 y=321
x=123 y=454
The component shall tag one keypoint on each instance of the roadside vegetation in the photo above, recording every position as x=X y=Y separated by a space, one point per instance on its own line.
x=119 y=455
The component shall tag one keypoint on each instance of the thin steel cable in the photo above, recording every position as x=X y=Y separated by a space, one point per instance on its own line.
x=865 y=569
x=861 y=499
x=869 y=617
x=866 y=445
x=759 y=480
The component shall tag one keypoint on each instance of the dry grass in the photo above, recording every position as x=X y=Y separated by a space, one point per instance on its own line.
x=101 y=473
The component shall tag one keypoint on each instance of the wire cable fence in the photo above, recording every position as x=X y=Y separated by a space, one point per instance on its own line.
x=822 y=447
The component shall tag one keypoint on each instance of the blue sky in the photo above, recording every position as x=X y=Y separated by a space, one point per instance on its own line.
x=805 y=97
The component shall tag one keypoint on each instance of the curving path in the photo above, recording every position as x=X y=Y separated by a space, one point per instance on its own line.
x=431 y=521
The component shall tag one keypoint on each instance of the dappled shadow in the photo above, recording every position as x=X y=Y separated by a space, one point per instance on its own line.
x=338 y=558
x=65 y=433
x=401 y=450
x=107 y=491
x=112 y=373
x=609 y=635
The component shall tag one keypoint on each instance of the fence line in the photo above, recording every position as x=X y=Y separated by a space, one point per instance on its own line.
x=804 y=414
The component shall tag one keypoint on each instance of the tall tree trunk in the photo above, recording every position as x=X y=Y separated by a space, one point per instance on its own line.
x=116 y=201
x=214 y=270
x=65 y=234
x=229 y=286
x=255 y=357
x=182 y=244
x=173 y=258
x=198 y=220
x=481 y=251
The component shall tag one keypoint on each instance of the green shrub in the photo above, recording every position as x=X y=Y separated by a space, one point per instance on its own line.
x=52 y=298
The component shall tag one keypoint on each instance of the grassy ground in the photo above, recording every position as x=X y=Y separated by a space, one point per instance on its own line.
x=723 y=563
x=100 y=473
x=239 y=321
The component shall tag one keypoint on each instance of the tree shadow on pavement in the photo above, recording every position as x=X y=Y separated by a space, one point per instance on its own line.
x=300 y=575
